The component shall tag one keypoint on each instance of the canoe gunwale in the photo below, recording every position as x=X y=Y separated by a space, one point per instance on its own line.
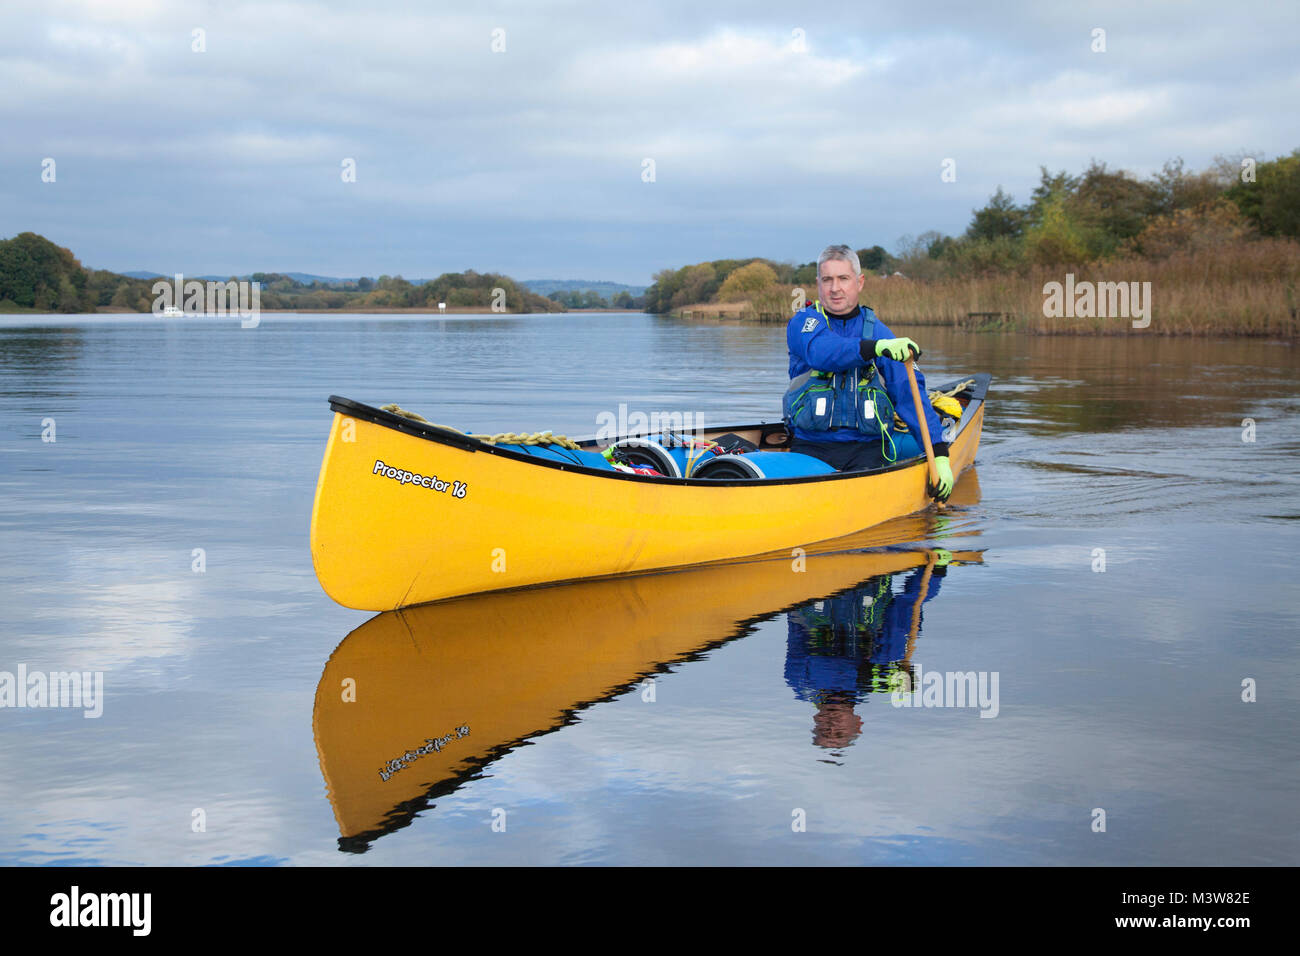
x=444 y=436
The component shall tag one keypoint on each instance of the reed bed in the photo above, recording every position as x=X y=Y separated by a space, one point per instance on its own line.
x=1248 y=288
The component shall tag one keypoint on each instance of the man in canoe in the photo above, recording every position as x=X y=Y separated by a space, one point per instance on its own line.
x=847 y=380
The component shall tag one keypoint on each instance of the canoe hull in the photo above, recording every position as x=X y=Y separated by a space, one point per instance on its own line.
x=479 y=519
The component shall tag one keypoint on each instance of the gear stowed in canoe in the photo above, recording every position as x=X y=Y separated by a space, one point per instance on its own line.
x=408 y=512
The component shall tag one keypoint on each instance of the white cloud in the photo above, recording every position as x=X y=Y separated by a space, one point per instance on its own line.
x=748 y=132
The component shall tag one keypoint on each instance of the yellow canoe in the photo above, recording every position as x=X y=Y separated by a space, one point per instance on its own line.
x=480 y=517
x=415 y=702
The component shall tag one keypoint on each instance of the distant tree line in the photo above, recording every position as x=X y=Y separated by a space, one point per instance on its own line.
x=468 y=289
x=1068 y=220
x=730 y=280
x=36 y=274
x=1103 y=213
x=590 y=299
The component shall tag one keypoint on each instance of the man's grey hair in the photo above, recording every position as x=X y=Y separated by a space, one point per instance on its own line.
x=843 y=254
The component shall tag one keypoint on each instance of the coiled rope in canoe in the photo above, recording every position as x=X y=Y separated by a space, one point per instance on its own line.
x=901 y=426
x=500 y=438
x=959 y=387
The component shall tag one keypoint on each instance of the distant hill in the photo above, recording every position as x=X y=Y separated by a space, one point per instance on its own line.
x=305 y=278
x=606 y=290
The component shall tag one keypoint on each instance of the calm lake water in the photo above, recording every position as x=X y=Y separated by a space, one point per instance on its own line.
x=694 y=718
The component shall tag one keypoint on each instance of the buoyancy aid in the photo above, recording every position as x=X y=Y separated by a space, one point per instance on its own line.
x=819 y=401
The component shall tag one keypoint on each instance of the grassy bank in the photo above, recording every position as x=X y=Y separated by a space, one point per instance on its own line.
x=1245 y=289
x=9 y=307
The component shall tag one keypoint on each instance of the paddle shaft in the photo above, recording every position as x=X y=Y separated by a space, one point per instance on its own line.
x=915 y=627
x=925 y=429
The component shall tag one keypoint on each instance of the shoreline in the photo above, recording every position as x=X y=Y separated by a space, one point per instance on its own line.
x=386 y=310
x=743 y=312
x=709 y=312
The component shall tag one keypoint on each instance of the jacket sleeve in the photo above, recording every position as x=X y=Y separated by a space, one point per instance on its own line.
x=900 y=393
x=820 y=348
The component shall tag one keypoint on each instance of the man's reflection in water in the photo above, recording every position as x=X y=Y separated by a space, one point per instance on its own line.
x=857 y=643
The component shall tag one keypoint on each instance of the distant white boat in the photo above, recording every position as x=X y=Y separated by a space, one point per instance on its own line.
x=172 y=312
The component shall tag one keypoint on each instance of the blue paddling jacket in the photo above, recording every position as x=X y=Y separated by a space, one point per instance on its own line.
x=820 y=343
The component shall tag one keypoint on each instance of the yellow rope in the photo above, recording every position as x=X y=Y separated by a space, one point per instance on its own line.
x=959 y=387
x=500 y=438
x=398 y=410
x=533 y=438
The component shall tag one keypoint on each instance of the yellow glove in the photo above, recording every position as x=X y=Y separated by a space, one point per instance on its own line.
x=897 y=349
x=943 y=489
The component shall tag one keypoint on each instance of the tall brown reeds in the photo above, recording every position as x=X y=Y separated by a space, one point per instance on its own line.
x=1242 y=288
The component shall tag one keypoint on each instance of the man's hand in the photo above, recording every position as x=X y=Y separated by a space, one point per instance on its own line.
x=942 y=490
x=897 y=349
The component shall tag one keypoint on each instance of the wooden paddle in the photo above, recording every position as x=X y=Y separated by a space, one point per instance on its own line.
x=925 y=429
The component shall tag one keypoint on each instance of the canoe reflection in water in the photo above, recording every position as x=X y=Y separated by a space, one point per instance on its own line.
x=844 y=648
x=416 y=702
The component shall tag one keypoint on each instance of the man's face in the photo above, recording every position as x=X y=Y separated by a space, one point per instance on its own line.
x=837 y=286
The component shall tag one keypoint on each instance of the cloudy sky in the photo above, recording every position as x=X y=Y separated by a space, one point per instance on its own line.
x=514 y=137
